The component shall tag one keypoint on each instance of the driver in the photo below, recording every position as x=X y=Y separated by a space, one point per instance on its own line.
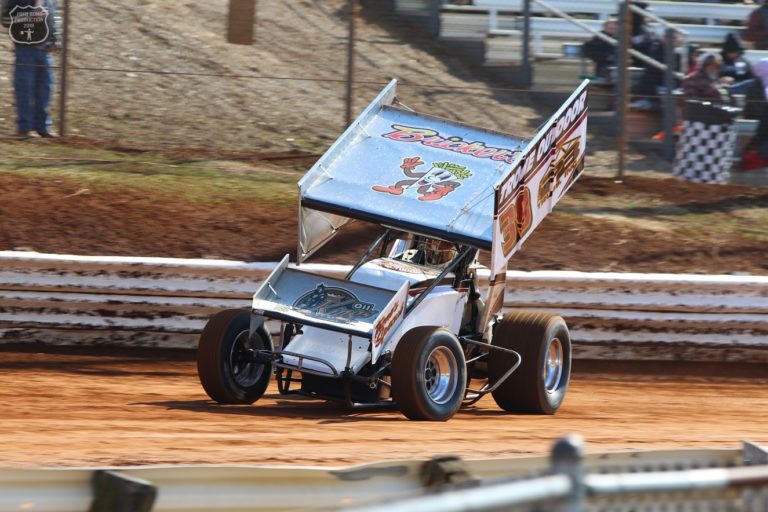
x=438 y=252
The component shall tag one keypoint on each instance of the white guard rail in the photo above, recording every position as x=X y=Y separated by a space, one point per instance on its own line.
x=156 y=302
x=710 y=479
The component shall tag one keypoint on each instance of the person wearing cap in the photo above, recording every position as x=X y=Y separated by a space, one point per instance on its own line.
x=705 y=83
x=734 y=63
x=757 y=27
x=33 y=73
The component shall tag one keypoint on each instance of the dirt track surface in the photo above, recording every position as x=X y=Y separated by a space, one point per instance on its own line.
x=86 y=410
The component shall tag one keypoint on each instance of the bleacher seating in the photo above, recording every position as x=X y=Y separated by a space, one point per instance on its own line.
x=691 y=12
x=475 y=22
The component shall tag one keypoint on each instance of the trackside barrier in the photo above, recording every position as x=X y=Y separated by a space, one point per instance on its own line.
x=711 y=480
x=161 y=302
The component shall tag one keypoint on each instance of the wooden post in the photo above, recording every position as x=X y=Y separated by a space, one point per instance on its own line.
x=242 y=18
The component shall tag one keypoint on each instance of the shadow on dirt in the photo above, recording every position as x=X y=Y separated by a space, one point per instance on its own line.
x=327 y=413
x=298 y=408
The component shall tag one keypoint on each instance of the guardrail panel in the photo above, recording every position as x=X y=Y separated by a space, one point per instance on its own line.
x=130 y=302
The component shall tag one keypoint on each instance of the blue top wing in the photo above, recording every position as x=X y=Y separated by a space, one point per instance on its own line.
x=414 y=172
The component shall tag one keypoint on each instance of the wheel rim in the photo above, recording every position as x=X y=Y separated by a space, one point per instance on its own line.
x=441 y=375
x=553 y=365
x=245 y=372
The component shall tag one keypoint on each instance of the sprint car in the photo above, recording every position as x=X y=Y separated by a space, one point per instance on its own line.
x=410 y=324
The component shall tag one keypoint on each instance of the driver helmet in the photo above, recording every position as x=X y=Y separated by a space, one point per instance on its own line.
x=438 y=252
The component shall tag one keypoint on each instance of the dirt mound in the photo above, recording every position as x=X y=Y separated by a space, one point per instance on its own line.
x=645 y=224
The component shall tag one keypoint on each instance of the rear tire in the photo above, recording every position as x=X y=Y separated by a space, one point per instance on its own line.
x=223 y=358
x=429 y=374
x=539 y=384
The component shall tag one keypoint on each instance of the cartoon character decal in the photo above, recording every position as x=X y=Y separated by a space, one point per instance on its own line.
x=432 y=185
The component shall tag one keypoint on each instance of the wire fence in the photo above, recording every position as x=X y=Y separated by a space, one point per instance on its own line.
x=146 y=75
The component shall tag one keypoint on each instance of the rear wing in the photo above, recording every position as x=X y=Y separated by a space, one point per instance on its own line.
x=443 y=179
x=539 y=178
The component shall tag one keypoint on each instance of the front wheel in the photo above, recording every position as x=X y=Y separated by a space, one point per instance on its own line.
x=225 y=358
x=429 y=374
x=539 y=384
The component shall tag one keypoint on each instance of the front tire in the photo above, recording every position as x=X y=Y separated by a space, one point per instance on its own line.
x=429 y=374
x=225 y=358
x=544 y=343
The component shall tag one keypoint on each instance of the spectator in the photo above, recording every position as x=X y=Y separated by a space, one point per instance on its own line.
x=33 y=73
x=601 y=52
x=757 y=27
x=705 y=83
x=651 y=82
x=644 y=40
x=756 y=153
x=753 y=91
x=734 y=64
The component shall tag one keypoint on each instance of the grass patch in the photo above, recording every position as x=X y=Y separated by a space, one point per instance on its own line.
x=195 y=180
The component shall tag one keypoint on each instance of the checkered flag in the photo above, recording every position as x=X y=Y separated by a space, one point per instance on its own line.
x=705 y=149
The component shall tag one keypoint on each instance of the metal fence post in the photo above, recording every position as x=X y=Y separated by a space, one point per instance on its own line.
x=622 y=83
x=669 y=102
x=568 y=459
x=64 y=68
x=527 y=68
x=350 y=60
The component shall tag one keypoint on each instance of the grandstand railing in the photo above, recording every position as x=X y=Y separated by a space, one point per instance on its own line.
x=474 y=22
x=713 y=13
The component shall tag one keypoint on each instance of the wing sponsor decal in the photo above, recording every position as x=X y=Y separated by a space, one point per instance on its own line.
x=431 y=184
x=399 y=266
x=386 y=323
x=385 y=326
x=516 y=220
x=564 y=169
x=542 y=147
x=433 y=139
x=334 y=302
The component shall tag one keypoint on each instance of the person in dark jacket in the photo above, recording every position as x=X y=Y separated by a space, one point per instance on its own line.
x=601 y=52
x=756 y=153
x=34 y=31
x=734 y=63
x=757 y=27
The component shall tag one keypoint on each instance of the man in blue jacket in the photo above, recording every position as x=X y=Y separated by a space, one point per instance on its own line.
x=34 y=31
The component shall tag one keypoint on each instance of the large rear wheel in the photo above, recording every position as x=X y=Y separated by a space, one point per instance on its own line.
x=539 y=384
x=225 y=358
x=429 y=374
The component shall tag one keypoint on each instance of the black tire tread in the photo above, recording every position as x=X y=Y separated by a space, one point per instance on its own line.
x=521 y=332
x=209 y=356
x=404 y=362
